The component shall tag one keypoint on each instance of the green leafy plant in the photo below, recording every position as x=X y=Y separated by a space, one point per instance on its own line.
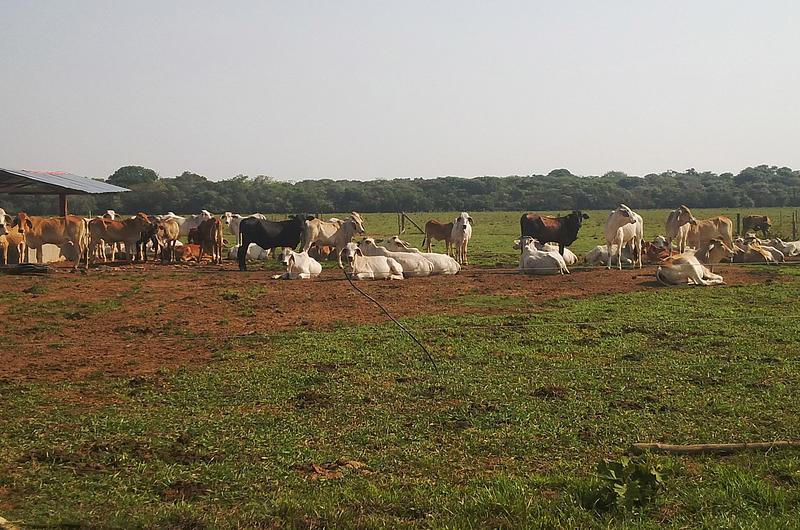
x=627 y=484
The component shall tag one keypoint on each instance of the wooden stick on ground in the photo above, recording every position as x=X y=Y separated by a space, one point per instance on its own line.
x=705 y=449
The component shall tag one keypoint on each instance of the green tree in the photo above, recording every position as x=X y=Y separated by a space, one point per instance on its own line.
x=132 y=176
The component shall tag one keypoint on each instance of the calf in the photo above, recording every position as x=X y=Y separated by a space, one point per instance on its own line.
x=299 y=266
x=436 y=231
x=535 y=261
x=369 y=267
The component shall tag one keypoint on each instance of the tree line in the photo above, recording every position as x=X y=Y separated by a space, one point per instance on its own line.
x=760 y=186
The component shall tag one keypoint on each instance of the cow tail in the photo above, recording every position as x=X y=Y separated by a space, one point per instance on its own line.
x=660 y=279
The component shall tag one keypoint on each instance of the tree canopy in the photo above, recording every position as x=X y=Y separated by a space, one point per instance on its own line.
x=759 y=186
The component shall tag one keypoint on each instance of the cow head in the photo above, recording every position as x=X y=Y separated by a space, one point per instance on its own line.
x=684 y=215
x=357 y=221
x=205 y=215
x=462 y=221
x=349 y=252
x=227 y=217
x=718 y=251
x=624 y=211
x=4 y=220
x=287 y=256
x=22 y=222
x=578 y=217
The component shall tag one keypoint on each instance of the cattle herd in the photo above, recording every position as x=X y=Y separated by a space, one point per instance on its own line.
x=686 y=254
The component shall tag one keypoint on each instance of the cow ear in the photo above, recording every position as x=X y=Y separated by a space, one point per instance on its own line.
x=291 y=260
x=358 y=251
x=9 y=219
x=28 y=223
x=469 y=219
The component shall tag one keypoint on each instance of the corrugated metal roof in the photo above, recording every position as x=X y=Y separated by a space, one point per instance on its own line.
x=25 y=181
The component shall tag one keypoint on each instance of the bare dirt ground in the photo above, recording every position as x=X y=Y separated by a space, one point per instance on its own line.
x=134 y=320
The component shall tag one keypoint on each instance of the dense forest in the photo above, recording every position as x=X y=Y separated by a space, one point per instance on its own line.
x=558 y=190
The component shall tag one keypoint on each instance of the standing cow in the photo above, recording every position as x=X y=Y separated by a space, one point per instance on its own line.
x=55 y=231
x=756 y=223
x=623 y=227
x=679 y=221
x=460 y=236
x=269 y=235
x=548 y=229
x=335 y=233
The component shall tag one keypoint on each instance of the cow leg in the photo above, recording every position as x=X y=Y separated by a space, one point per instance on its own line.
x=609 y=254
x=5 y=255
x=466 y=253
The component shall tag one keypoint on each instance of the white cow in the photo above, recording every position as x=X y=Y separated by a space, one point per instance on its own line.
x=569 y=257
x=187 y=223
x=442 y=263
x=599 y=255
x=679 y=223
x=460 y=236
x=299 y=266
x=624 y=226
x=413 y=264
x=369 y=267
x=685 y=268
x=5 y=222
x=233 y=220
x=789 y=248
x=254 y=253
x=336 y=234
x=532 y=260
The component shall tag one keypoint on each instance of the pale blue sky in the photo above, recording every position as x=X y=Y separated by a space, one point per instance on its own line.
x=368 y=89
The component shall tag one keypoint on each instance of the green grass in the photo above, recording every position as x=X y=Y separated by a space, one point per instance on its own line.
x=506 y=437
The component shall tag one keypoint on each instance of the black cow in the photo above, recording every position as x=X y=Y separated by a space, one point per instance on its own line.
x=546 y=228
x=268 y=235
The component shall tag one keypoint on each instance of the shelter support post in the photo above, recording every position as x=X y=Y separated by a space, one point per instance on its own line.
x=62 y=204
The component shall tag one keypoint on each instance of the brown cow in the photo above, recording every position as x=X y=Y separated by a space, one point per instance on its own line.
x=708 y=229
x=12 y=238
x=653 y=254
x=211 y=237
x=55 y=231
x=437 y=231
x=128 y=231
x=756 y=222
x=548 y=229
x=190 y=252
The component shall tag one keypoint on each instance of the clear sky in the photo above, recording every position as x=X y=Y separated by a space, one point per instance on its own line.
x=367 y=89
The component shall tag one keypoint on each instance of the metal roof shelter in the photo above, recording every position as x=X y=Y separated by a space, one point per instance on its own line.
x=27 y=182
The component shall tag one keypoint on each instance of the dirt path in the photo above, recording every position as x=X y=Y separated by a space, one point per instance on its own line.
x=129 y=321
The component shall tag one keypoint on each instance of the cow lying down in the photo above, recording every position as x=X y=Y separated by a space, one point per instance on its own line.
x=686 y=268
x=299 y=266
x=357 y=266
x=535 y=261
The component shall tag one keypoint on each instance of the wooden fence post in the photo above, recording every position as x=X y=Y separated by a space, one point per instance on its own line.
x=794 y=225
x=738 y=224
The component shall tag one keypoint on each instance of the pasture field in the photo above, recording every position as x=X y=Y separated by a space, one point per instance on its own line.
x=494 y=232
x=197 y=397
